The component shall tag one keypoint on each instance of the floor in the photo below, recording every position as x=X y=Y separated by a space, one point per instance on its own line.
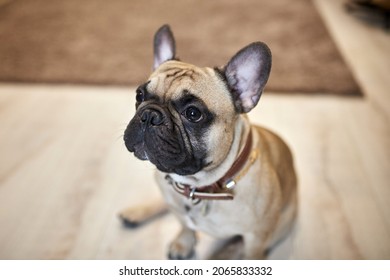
x=64 y=178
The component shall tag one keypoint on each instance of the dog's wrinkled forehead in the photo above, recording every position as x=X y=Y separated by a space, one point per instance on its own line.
x=173 y=79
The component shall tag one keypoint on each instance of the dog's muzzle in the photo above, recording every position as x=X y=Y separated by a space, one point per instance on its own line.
x=152 y=135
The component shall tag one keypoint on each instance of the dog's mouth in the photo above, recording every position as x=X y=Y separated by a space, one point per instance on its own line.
x=166 y=161
x=140 y=151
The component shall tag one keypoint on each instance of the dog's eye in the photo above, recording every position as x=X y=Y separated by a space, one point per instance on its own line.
x=193 y=114
x=140 y=97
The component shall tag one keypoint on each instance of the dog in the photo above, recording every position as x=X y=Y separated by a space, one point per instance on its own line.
x=217 y=173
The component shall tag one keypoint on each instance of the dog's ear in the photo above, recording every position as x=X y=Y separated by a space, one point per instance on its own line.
x=247 y=73
x=164 y=46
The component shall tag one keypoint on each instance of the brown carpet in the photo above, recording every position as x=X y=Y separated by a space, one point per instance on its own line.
x=110 y=42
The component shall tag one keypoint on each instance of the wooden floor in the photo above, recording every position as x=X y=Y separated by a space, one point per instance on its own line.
x=65 y=173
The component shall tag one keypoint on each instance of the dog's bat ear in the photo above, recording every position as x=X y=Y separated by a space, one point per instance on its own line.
x=164 y=46
x=247 y=73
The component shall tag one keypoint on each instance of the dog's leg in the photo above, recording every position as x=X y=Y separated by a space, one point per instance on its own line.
x=183 y=247
x=254 y=246
x=138 y=215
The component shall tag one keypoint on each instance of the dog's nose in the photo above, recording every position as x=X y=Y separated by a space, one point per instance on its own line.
x=152 y=117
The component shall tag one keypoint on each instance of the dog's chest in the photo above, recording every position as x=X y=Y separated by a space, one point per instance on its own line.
x=218 y=218
x=199 y=216
x=194 y=212
x=209 y=216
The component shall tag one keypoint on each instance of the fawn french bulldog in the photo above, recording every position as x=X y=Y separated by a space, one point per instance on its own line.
x=217 y=172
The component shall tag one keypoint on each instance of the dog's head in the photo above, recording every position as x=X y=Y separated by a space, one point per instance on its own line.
x=185 y=115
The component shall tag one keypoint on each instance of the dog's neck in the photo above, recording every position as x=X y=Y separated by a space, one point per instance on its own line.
x=207 y=177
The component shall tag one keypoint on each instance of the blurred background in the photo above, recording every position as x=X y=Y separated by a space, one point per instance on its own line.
x=68 y=73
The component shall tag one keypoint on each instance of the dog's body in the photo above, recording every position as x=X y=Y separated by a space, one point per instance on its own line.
x=191 y=124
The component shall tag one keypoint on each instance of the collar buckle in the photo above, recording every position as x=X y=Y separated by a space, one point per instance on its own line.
x=230 y=184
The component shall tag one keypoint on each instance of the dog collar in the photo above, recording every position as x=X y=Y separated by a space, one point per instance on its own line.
x=223 y=188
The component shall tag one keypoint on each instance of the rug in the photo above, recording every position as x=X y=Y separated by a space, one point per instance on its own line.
x=110 y=42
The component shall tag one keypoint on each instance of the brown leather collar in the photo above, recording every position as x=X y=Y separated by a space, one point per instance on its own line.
x=222 y=189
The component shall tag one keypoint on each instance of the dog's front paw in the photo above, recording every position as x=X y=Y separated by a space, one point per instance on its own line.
x=134 y=216
x=182 y=248
x=131 y=217
x=178 y=251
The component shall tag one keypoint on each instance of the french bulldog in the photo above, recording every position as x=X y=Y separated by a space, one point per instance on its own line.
x=217 y=173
